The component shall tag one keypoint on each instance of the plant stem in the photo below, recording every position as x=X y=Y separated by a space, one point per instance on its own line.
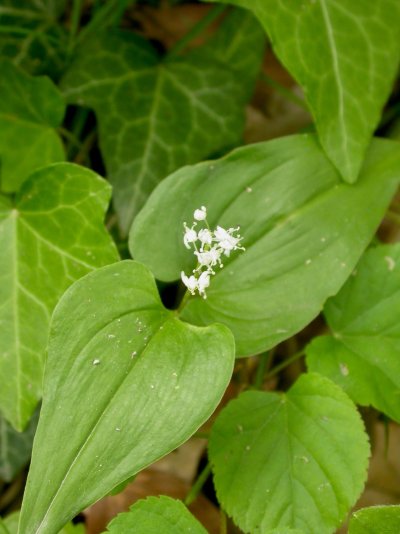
x=197 y=30
x=265 y=359
x=296 y=356
x=78 y=125
x=183 y=302
x=197 y=486
x=74 y=24
x=223 y=525
x=284 y=91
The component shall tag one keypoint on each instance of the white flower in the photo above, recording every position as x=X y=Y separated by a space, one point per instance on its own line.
x=203 y=282
x=190 y=236
x=226 y=240
x=208 y=258
x=200 y=214
x=205 y=237
x=190 y=282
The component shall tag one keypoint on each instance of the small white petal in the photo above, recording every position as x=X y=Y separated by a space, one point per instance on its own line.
x=200 y=214
x=190 y=282
x=205 y=236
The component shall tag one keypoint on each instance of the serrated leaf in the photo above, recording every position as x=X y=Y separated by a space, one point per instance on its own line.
x=296 y=461
x=156 y=115
x=130 y=383
x=51 y=235
x=30 y=110
x=15 y=447
x=334 y=50
x=303 y=229
x=362 y=356
x=155 y=515
x=376 y=520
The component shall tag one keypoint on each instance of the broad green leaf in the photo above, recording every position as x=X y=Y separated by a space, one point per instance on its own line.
x=335 y=51
x=30 y=110
x=362 y=355
x=155 y=515
x=130 y=383
x=15 y=447
x=156 y=115
x=376 y=520
x=31 y=37
x=51 y=235
x=9 y=525
x=297 y=460
x=303 y=229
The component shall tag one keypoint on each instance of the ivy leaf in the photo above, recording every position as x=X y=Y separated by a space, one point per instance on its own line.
x=130 y=382
x=362 y=356
x=51 y=235
x=30 y=110
x=334 y=50
x=15 y=447
x=157 y=115
x=297 y=460
x=31 y=36
x=376 y=520
x=155 y=515
x=303 y=229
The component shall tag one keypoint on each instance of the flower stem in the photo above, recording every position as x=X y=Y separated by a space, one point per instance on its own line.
x=197 y=486
x=278 y=368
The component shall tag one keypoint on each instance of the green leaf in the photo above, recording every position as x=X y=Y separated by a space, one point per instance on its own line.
x=362 y=355
x=50 y=236
x=155 y=515
x=9 y=525
x=376 y=520
x=303 y=229
x=30 y=110
x=31 y=37
x=334 y=50
x=297 y=460
x=15 y=447
x=156 y=116
x=130 y=383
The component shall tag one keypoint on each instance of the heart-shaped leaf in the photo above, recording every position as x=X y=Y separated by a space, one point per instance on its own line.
x=155 y=114
x=334 y=50
x=30 y=110
x=51 y=234
x=362 y=356
x=155 y=515
x=126 y=382
x=293 y=461
x=303 y=229
x=376 y=520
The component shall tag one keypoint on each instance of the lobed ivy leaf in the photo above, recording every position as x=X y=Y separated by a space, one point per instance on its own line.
x=15 y=447
x=303 y=229
x=155 y=114
x=30 y=110
x=50 y=235
x=290 y=461
x=376 y=520
x=362 y=355
x=334 y=50
x=155 y=515
x=125 y=383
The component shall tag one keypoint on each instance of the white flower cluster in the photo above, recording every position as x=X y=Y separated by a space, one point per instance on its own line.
x=209 y=247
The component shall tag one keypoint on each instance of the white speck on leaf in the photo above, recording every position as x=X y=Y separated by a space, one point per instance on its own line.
x=391 y=264
x=96 y=362
x=344 y=369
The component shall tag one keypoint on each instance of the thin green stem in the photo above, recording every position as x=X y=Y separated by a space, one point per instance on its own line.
x=197 y=30
x=74 y=24
x=265 y=359
x=223 y=523
x=278 y=368
x=284 y=91
x=197 y=486
x=78 y=125
x=183 y=302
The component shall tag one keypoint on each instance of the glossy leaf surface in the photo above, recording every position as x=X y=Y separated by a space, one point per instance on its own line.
x=334 y=50
x=130 y=383
x=362 y=355
x=293 y=461
x=50 y=235
x=302 y=227
x=155 y=515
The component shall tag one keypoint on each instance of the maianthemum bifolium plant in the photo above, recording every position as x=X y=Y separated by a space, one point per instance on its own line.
x=253 y=242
